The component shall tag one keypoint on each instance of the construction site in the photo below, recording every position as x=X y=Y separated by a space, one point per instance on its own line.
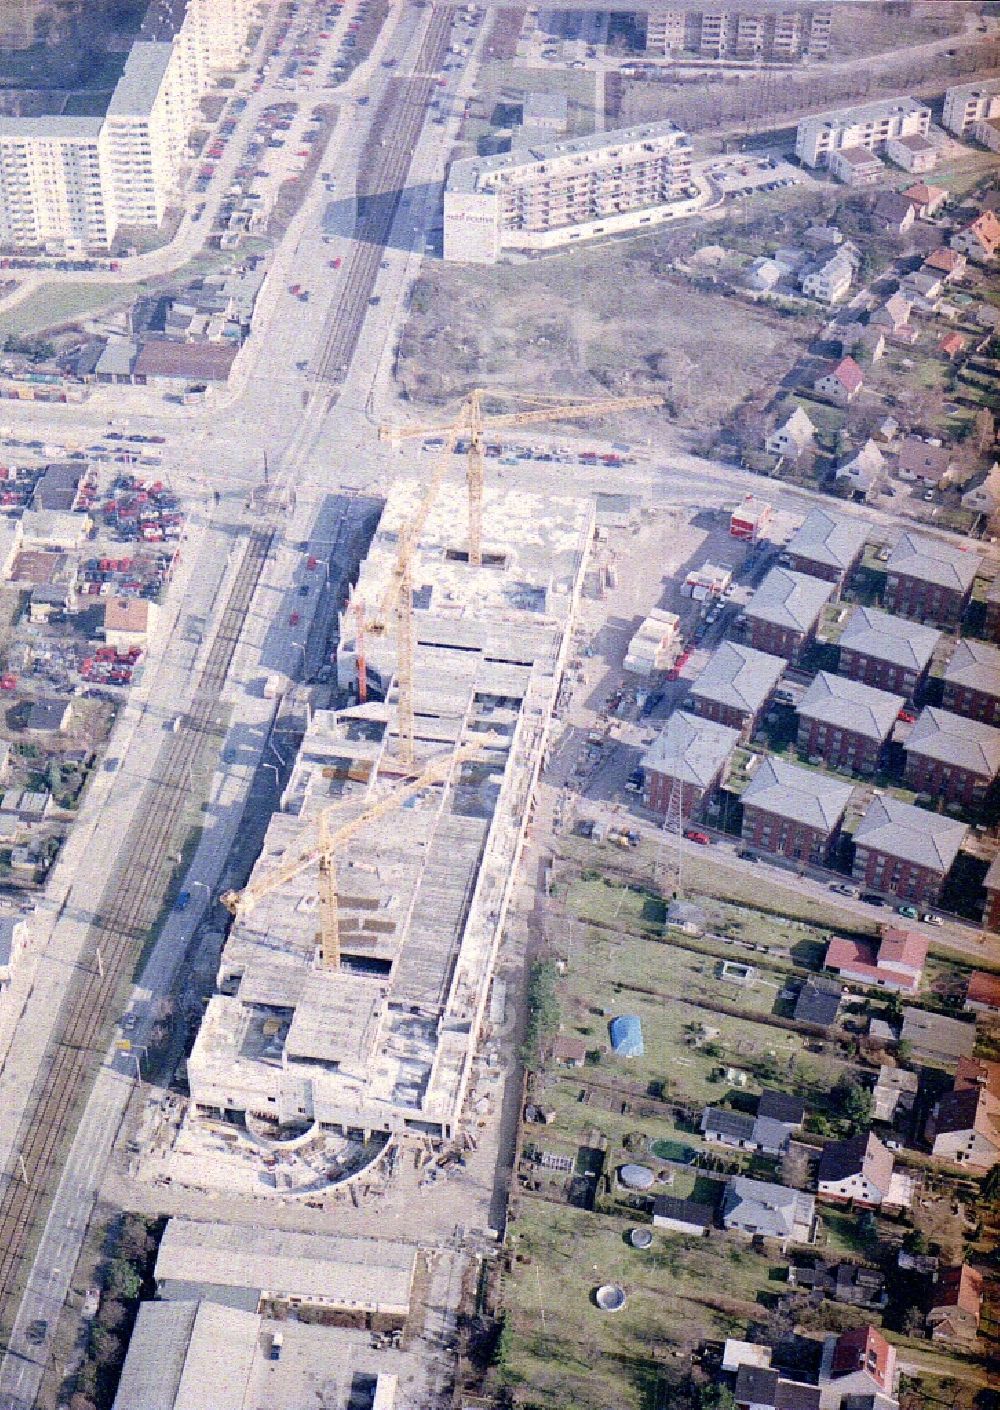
x=351 y=988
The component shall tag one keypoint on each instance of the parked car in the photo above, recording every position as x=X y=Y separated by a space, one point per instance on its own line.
x=870 y=898
x=702 y=838
x=910 y=912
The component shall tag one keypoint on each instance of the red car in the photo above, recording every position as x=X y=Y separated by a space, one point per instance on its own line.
x=701 y=838
x=907 y=717
x=294 y=619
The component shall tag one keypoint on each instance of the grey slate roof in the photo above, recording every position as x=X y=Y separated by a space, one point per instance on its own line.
x=790 y=599
x=731 y=1124
x=759 y=1207
x=687 y=1211
x=953 y=739
x=829 y=538
x=887 y=638
x=770 y=1135
x=934 y=562
x=801 y=795
x=850 y=705
x=975 y=665
x=780 y=1106
x=818 y=1001
x=739 y=676
x=911 y=834
x=935 y=1035
x=691 y=749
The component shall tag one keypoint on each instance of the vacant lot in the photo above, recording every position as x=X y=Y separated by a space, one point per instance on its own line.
x=587 y=321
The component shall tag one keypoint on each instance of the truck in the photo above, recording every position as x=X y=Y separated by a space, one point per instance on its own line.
x=277 y=1342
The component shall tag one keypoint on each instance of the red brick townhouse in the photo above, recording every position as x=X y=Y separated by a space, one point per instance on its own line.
x=784 y=611
x=827 y=546
x=736 y=685
x=903 y=851
x=887 y=652
x=794 y=811
x=972 y=682
x=950 y=757
x=930 y=581
x=845 y=723
x=687 y=759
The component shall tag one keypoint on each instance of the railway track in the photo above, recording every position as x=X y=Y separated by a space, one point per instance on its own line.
x=129 y=906
x=401 y=115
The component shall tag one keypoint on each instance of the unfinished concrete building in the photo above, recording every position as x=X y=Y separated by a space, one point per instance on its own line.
x=384 y=1042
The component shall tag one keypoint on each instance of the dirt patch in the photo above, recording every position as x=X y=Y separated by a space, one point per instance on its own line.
x=638 y=328
x=503 y=37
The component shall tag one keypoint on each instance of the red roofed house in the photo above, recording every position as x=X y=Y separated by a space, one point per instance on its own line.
x=952 y=345
x=956 y=1305
x=979 y=240
x=926 y=200
x=983 y=993
x=964 y=1125
x=895 y=962
x=859 y=1362
x=949 y=264
x=841 y=382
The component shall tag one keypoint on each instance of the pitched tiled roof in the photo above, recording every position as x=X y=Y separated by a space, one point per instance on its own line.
x=911 y=834
x=691 y=749
x=864 y=1349
x=829 y=538
x=984 y=988
x=738 y=676
x=848 y=374
x=944 y=260
x=861 y=1155
x=934 y=562
x=975 y=665
x=956 y=741
x=887 y=638
x=961 y=1286
x=849 y=705
x=801 y=795
x=789 y=599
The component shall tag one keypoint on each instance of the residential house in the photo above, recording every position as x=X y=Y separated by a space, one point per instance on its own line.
x=840 y=382
x=569 y=1052
x=886 y=652
x=904 y=851
x=983 y=993
x=830 y=278
x=894 y=314
x=895 y=1093
x=895 y=961
x=818 y=1001
x=894 y=214
x=48 y=600
x=923 y=290
x=793 y=811
x=846 y=723
x=850 y=1283
x=956 y=1305
x=931 y=465
x=952 y=346
x=794 y=437
x=887 y=430
x=686 y=763
x=913 y=153
x=755 y=1207
x=855 y=166
x=736 y=685
x=856 y=1171
x=972 y=681
x=765 y=1133
x=929 y=580
x=948 y=265
x=983 y=497
x=980 y=239
x=682 y=1216
x=861 y=473
x=761 y=1388
x=936 y=1040
x=987 y=132
x=927 y=200
x=780 y=1106
x=857 y=1363
x=784 y=612
x=48 y=716
x=827 y=546
x=964 y=1125
x=951 y=757
x=737 y=1353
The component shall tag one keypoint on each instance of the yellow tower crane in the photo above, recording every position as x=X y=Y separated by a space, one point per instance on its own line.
x=322 y=852
x=397 y=599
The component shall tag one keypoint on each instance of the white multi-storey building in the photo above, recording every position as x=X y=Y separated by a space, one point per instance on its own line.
x=870 y=125
x=69 y=183
x=783 y=36
x=970 y=103
x=554 y=193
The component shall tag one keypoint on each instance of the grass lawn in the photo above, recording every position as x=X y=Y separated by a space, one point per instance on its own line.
x=62 y=303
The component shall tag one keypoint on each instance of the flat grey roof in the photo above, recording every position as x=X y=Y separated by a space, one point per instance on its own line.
x=893 y=639
x=56 y=127
x=953 y=739
x=469 y=173
x=187 y=1356
x=830 y=539
x=937 y=1034
x=789 y=599
x=849 y=705
x=691 y=749
x=799 y=794
x=934 y=562
x=739 y=676
x=975 y=666
x=912 y=834
x=140 y=82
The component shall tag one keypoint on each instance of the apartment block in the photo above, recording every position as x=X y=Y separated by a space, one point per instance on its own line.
x=887 y=652
x=869 y=125
x=905 y=851
x=794 y=811
x=969 y=103
x=55 y=183
x=972 y=682
x=846 y=723
x=784 y=611
x=781 y=36
x=553 y=193
x=951 y=757
x=929 y=580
